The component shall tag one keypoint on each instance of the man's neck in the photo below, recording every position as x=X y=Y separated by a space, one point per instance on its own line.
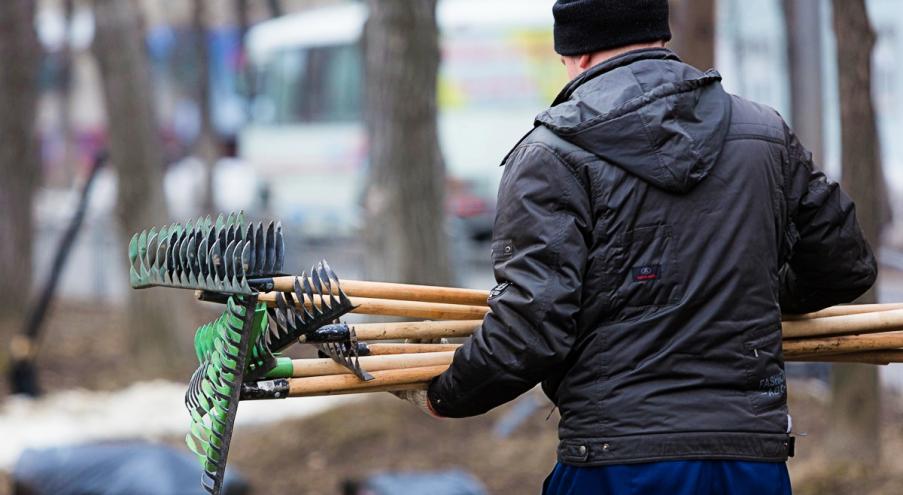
x=605 y=55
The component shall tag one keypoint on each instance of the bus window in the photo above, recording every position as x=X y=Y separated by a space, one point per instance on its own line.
x=310 y=85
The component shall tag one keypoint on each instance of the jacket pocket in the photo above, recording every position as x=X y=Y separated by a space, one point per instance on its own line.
x=648 y=272
x=766 y=387
x=501 y=250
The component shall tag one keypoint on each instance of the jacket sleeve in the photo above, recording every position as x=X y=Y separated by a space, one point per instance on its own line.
x=829 y=260
x=539 y=253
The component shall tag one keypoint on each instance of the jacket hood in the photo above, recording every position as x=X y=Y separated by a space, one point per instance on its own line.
x=647 y=113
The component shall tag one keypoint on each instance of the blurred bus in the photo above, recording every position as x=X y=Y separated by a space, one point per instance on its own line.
x=305 y=138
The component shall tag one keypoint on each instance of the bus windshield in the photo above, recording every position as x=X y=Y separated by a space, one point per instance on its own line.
x=319 y=84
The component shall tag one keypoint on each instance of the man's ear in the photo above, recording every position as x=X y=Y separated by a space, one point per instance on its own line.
x=584 y=61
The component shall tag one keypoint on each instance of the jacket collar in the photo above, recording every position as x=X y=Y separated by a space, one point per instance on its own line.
x=612 y=64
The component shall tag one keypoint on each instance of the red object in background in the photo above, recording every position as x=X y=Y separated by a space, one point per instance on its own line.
x=462 y=202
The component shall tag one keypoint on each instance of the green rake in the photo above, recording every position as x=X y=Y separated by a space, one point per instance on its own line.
x=239 y=264
x=220 y=257
x=223 y=347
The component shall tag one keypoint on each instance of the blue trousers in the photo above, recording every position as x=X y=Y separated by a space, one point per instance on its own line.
x=671 y=478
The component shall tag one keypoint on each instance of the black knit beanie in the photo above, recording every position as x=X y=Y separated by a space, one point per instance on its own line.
x=587 y=26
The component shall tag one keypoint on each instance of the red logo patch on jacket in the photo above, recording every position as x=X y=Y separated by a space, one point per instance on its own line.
x=646 y=273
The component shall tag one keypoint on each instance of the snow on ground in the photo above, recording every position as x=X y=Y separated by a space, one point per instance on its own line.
x=144 y=410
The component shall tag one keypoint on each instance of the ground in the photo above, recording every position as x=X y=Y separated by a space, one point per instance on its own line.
x=83 y=348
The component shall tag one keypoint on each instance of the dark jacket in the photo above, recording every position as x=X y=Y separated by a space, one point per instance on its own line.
x=650 y=231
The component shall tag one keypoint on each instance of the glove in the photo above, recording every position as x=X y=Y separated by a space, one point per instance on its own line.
x=419 y=399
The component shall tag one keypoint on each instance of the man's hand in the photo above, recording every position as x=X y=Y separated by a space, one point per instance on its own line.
x=418 y=398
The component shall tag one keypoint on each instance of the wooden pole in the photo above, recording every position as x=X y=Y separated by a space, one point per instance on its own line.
x=332 y=384
x=406 y=309
x=387 y=349
x=319 y=367
x=882 y=321
x=403 y=292
x=843 y=345
x=866 y=357
x=366 y=390
x=849 y=309
x=416 y=330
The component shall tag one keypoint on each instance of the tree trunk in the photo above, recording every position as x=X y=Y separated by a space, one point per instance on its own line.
x=405 y=194
x=802 y=19
x=855 y=390
x=153 y=315
x=693 y=26
x=19 y=162
x=67 y=129
x=206 y=147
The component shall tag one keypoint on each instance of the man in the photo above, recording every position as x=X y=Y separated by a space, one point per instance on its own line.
x=650 y=231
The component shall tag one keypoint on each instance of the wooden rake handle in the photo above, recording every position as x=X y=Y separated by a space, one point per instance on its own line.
x=406 y=309
x=302 y=368
x=874 y=322
x=843 y=345
x=382 y=381
x=416 y=330
x=846 y=309
x=865 y=357
x=404 y=292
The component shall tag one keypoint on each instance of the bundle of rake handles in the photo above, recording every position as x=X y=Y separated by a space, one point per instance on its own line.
x=239 y=263
x=870 y=334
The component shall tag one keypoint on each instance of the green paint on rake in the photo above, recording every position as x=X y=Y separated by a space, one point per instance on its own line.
x=208 y=397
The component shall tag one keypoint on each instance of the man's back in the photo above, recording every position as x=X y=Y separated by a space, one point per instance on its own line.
x=650 y=231
x=648 y=216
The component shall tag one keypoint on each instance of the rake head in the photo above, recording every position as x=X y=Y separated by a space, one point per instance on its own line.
x=223 y=349
x=220 y=256
x=316 y=300
x=230 y=261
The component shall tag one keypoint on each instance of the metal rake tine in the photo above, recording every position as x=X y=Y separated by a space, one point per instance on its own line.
x=247 y=261
x=280 y=249
x=175 y=274
x=204 y=260
x=228 y=254
x=352 y=344
x=270 y=249
x=143 y=272
x=260 y=251
x=324 y=279
x=183 y=257
x=250 y=246
x=305 y=296
x=134 y=264
x=192 y=402
x=218 y=271
x=158 y=270
x=192 y=255
x=230 y=234
x=283 y=315
x=170 y=261
x=238 y=275
x=150 y=252
x=317 y=284
x=181 y=253
x=285 y=325
x=331 y=275
x=346 y=356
